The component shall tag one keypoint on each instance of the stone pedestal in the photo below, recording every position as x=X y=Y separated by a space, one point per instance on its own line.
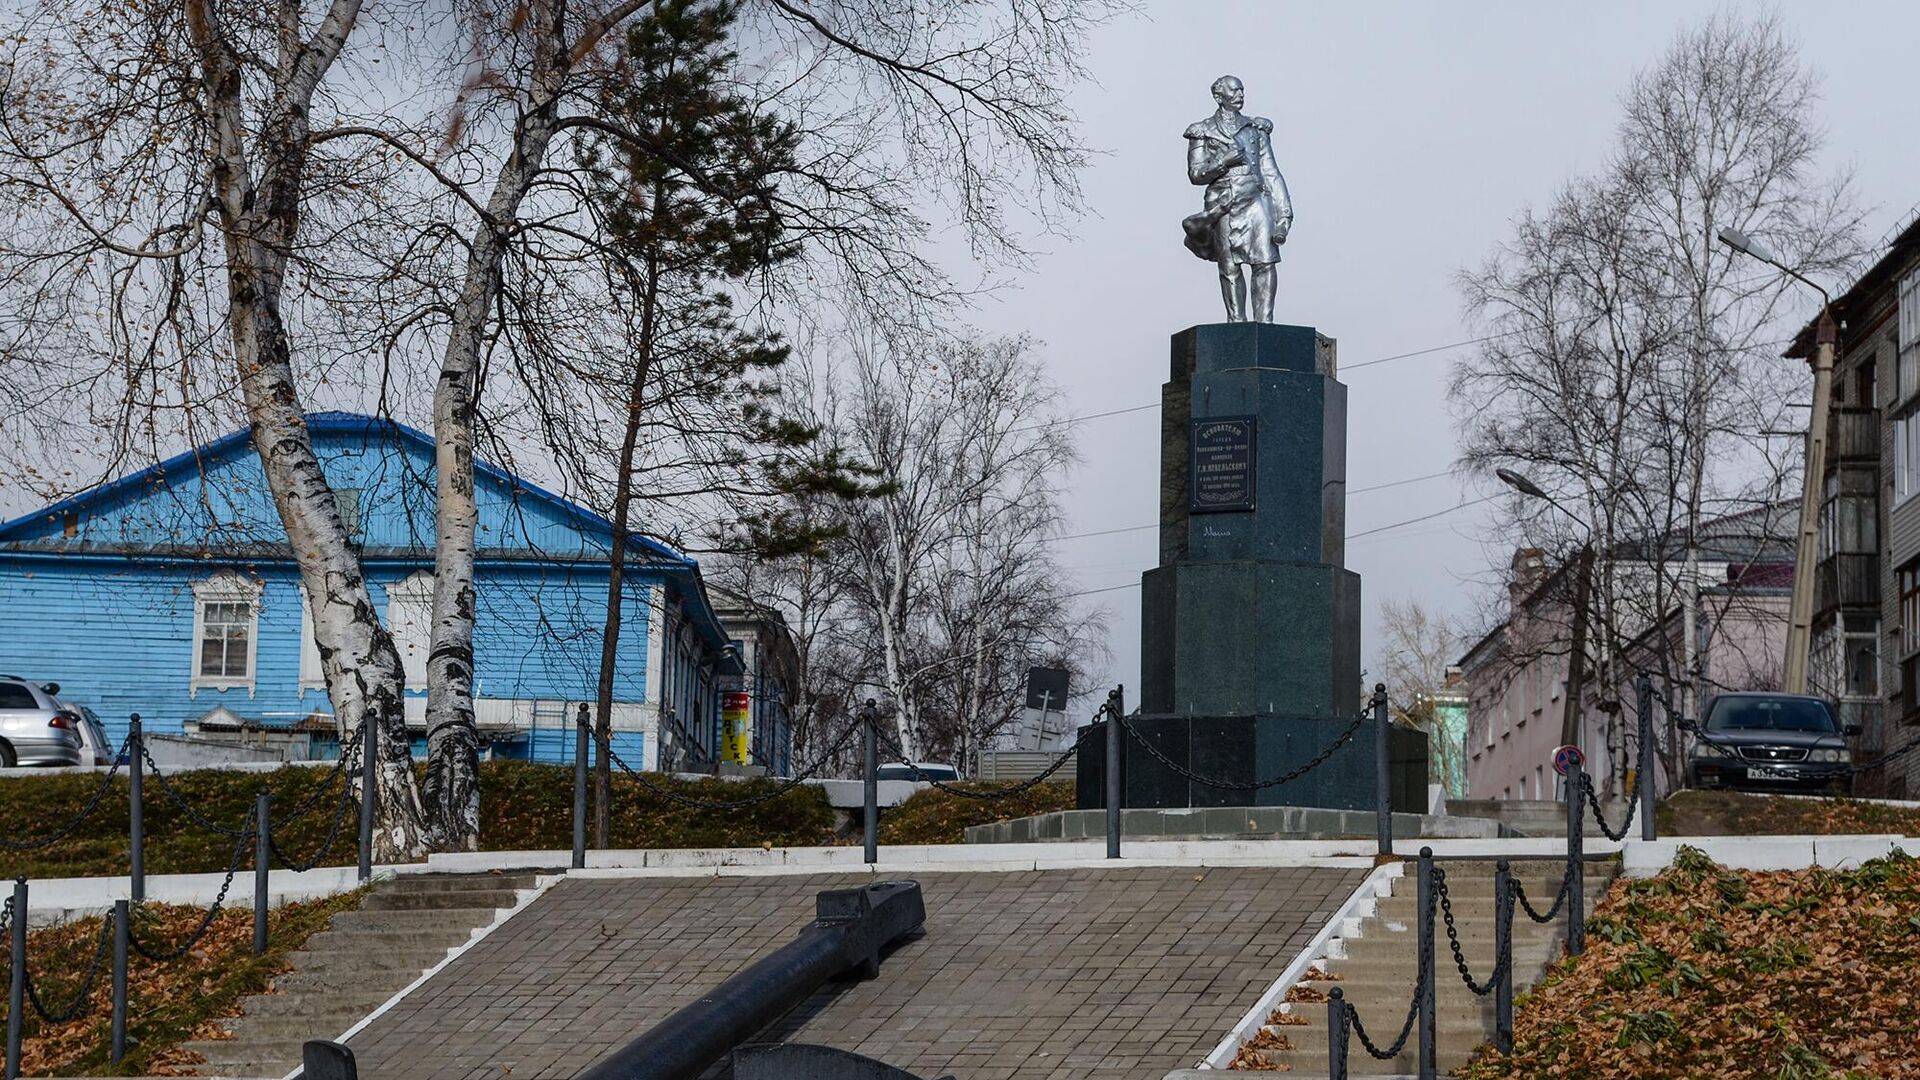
x=1250 y=625
x=1251 y=610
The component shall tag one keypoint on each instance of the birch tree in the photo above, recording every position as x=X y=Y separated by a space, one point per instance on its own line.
x=1631 y=366
x=159 y=180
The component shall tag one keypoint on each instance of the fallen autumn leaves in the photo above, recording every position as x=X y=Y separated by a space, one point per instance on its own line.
x=1704 y=971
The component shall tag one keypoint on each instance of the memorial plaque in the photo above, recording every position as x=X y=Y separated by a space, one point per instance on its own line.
x=1221 y=464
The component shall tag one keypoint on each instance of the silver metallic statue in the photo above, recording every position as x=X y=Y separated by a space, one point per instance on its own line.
x=1247 y=210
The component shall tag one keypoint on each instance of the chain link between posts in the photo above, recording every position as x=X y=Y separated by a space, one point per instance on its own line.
x=78 y=1007
x=1413 y=1009
x=782 y=788
x=86 y=811
x=344 y=768
x=1593 y=803
x=160 y=956
x=1060 y=762
x=1453 y=940
x=180 y=803
x=1227 y=785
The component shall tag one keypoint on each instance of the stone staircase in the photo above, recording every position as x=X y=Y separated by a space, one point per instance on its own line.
x=403 y=927
x=1536 y=817
x=1376 y=965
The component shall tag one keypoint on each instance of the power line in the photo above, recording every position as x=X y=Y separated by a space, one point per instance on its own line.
x=1350 y=536
x=1355 y=491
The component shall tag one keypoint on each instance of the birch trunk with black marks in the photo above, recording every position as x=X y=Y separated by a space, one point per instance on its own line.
x=256 y=179
x=453 y=739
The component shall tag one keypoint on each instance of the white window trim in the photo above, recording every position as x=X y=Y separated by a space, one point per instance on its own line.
x=313 y=674
x=224 y=588
x=415 y=589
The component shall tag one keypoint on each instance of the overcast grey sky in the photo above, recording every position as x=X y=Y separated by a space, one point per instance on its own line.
x=1410 y=134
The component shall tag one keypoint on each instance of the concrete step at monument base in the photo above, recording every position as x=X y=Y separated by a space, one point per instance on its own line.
x=322 y=971
x=293 y=1027
x=333 y=1002
x=388 y=921
x=1454 y=1045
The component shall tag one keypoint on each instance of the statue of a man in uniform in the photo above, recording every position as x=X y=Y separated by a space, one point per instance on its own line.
x=1247 y=211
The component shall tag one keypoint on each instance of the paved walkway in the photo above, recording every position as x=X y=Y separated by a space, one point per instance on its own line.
x=1087 y=974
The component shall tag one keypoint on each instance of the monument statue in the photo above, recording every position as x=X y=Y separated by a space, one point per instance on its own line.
x=1247 y=211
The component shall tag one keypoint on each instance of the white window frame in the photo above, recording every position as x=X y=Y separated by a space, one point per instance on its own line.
x=410 y=621
x=225 y=588
x=1906 y=456
x=313 y=676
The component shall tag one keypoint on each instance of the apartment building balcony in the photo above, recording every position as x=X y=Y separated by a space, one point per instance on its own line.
x=1853 y=435
x=1846 y=580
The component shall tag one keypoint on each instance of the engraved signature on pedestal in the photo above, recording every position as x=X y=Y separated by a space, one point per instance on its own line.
x=1211 y=532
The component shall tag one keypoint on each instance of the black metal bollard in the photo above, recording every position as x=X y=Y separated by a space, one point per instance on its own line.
x=120 y=935
x=1503 y=955
x=1644 y=691
x=136 y=812
x=1336 y=1035
x=1428 y=1060
x=580 y=788
x=1382 y=771
x=1116 y=792
x=367 y=797
x=870 y=773
x=1576 y=867
x=262 y=855
x=17 y=983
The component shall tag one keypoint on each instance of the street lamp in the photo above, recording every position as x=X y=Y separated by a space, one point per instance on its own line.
x=1582 y=589
x=1826 y=336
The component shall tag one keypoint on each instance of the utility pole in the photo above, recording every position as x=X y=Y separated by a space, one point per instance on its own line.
x=1800 y=617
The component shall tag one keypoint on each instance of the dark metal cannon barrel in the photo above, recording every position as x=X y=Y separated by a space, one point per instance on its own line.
x=850 y=930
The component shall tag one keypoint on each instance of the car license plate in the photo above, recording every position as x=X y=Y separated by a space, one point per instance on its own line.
x=1769 y=774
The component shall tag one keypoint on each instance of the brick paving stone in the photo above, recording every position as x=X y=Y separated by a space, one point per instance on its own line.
x=1119 y=974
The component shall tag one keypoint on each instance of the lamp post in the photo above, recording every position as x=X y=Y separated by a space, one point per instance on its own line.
x=1582 y=600
x=1826 y=336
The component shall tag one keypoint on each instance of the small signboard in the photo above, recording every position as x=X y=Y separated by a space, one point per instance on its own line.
x=1220 y=465
x=736 y=726
x=1566 y=758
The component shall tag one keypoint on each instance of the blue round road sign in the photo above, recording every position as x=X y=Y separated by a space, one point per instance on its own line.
x=1566 y=757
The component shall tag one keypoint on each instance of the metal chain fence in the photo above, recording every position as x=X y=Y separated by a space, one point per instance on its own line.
x=780 y=789
x=1399 y=1043
x=86 y=811
x=1453 y=942
x=1228 y=785
x=78 y=1006
x=161 y=956
x=1060 y=762
x=343 y=769
x=186 y=808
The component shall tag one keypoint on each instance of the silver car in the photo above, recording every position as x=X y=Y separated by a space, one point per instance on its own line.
x=35 y=729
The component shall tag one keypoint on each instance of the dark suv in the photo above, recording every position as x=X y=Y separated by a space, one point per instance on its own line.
x=1772 y=742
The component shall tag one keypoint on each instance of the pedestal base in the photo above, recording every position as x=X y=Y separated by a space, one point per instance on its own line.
x=1250 y=636
x=1246 y=749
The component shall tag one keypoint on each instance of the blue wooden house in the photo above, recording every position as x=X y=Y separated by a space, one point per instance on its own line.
x=171 y=593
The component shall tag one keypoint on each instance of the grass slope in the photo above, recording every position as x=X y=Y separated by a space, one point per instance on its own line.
x=167 y=1003
x=1733 y=813
x=522 y=807
x=1707 y=972
x=933 y=816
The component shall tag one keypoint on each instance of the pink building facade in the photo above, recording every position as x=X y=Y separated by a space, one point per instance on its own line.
x=1516 y=676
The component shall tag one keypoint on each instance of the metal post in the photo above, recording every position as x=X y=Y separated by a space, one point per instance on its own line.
x=580 y=788
x=1116 y=794
x=120 y=915
x=1503 y=956
x=870 y=771
x=1382 y=771
x=367 y=797
x=262 y=853
x=1576 y=868
x=1644 y=690
x=17 y=985
x=1807 y=549
x=136 y=816
x=1336 y=1035
x=1428 y=1060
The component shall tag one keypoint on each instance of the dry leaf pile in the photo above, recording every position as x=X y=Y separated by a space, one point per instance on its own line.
x=1707 y=972
x=168 y=1003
